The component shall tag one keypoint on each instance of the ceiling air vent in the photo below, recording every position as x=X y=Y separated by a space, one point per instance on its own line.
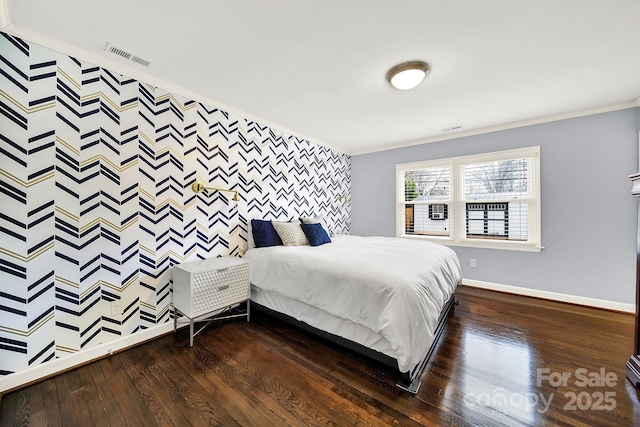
x=129 y=56
x=452 y=128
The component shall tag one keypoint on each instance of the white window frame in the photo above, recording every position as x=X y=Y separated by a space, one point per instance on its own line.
x=457 y=203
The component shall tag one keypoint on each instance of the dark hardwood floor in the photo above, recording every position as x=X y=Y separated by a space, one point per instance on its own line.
x=502 y=360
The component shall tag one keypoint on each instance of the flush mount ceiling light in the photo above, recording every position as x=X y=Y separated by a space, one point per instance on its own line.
x=408 y=74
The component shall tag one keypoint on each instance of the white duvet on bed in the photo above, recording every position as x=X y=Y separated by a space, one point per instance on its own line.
x=395 y=287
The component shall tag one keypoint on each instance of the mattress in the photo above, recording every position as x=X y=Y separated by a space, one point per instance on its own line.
x=391 y=289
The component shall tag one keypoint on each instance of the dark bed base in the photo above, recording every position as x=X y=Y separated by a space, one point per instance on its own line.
x=407 y=380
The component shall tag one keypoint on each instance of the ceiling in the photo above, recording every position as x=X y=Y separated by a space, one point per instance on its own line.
x=317 y=68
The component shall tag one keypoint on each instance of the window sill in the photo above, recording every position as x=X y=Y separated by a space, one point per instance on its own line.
x=478 y=243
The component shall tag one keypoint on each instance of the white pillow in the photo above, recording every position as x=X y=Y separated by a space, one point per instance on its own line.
x=290 y=233
x=250 y=242
x=317 y=220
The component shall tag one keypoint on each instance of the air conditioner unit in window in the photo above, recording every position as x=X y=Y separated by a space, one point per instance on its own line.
x=438 y=212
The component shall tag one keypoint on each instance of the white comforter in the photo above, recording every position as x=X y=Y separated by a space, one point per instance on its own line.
x=395 y=287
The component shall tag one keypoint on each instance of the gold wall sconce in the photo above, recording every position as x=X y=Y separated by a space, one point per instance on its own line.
x=343 y=199
x=199 y=187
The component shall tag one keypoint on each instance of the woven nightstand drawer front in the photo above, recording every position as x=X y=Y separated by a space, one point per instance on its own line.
x=219 y=288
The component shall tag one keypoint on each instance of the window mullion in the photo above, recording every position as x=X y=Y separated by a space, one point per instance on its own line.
x=458 y=199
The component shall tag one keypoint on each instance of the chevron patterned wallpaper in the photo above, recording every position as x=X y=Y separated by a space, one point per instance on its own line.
x=96 y=204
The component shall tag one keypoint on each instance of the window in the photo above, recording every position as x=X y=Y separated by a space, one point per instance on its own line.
x=488 y=200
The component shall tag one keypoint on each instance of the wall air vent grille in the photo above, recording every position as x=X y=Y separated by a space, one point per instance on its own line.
x=129 y=56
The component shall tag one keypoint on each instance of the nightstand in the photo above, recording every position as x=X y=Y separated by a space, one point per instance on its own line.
x=204 y=290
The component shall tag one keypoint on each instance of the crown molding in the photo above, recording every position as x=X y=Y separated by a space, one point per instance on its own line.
x=506 y=126
x=4 y=14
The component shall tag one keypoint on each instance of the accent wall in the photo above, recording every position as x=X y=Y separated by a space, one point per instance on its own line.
x=96 y=203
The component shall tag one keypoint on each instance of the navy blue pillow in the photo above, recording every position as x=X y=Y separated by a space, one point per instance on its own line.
x=316 y=234
x=264 y=234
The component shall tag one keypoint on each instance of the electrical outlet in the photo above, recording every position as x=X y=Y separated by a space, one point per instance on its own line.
x=474 y=262
x=116 y=308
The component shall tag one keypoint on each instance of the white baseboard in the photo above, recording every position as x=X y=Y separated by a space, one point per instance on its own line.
x=56 y=366
x=554 y=296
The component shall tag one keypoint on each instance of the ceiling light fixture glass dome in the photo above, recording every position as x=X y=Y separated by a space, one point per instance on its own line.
x=408 y=74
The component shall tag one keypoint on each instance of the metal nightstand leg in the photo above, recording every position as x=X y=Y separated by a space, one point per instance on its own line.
x=208 y=320
x=191 y=322
x=175 y=320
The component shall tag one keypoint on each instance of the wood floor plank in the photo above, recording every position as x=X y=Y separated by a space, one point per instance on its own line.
x=186 y=392
x=114 y=411
x=38 y=410
x=287 y=385
x=70 y=397
x=486 y=370
x=136 y=364
x=109 y=373
x=243 y=406
x=8 y=407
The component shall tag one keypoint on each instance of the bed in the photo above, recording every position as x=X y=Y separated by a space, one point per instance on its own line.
x=387 y=298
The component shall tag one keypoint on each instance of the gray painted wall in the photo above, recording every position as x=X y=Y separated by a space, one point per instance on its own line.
x=588 y=214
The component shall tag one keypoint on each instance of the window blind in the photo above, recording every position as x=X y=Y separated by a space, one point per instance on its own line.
x=502 y=188
x=427 y=190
